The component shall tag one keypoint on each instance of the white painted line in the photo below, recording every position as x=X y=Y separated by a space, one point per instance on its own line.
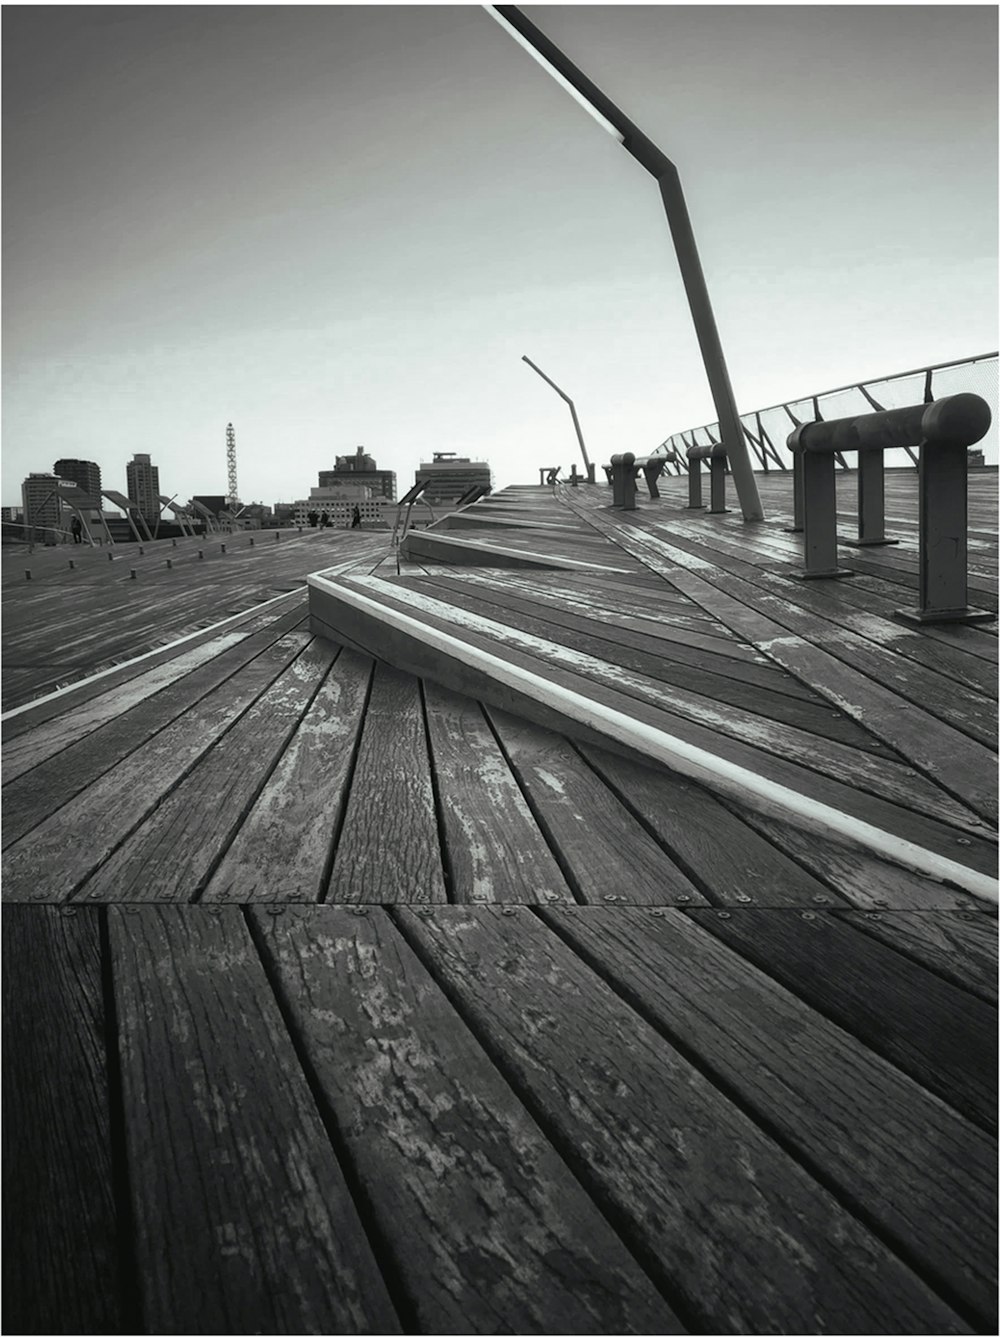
x=686 y=758
x=159 y=650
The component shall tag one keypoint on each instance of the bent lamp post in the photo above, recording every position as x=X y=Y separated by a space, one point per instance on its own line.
x=572 y=408
x=645 y=152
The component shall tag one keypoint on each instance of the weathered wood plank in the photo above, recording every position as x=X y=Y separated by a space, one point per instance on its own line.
x=389 y=849
x=61 y=1263
x=858 y=1124
x=490 y=1231
x=495 y=850
x=857 y=875
x=606 y=853
x=244 y=1223
x=725 y=857
x=961 y=945
x=942 y=1036
x=738 y=1235
x=55 y=781
x=282 y=849
x=54 y=859
x=171 y=855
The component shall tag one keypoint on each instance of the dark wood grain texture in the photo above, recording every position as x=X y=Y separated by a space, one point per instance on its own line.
x=944 y=1037
x=61 y=1265
x=854 y=1118
x=489 y=1230
x=244 y=1223
x=389 y=849
x=740 y=1237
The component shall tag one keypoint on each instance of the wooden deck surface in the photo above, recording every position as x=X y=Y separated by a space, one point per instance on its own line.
x=349 y=989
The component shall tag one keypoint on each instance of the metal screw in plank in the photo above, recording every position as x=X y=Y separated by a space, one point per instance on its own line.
x=683 y=898
x=67 y=910
x=508 y=910
x=962 y=841
x=743 y=896
x=820 y=900
x=808 y=915
x=658 y=912
x=724 y=915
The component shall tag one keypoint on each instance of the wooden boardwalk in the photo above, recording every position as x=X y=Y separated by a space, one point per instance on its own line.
x=359 y=978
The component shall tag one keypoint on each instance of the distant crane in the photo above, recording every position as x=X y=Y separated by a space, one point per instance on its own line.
x=232 y=498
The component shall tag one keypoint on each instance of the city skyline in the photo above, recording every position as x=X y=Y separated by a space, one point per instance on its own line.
x=342 y=225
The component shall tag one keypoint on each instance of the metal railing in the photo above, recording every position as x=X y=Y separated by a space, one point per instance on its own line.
x=766 y=430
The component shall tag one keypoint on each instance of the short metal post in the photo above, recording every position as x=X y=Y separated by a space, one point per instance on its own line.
x=694 y=485
x=111 y=557
x=574 y=477
x=131 y=573
x=943 y=561
x=717 y=482
x=169 y=564
x=628 y=472
x=871 y=501
x=201 y=553
x=819 y=505
x=591 y=473
x=72 y=565
x=797 y=507
x=251 y=541
x=617 y=481
x=27 y=573
x=223 y=547
x=277 y=536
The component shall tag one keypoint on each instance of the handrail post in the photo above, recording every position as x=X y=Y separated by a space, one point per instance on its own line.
x=819 y=511
x=652 y=470
x=717 y=481
x=798 y=508
x=942 y=475
x=623 y=481
x=871 y=501
x=695 y=502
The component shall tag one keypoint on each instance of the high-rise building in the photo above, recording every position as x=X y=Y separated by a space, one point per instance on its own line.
x=350 y=470
x=450 y=475
x=40 y=500
x=144 y=486
x=84 y=473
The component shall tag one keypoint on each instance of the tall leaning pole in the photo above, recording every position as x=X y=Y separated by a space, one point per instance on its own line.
x=645 y=152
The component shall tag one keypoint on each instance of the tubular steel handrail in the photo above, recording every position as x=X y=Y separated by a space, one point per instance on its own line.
x=941 y=431
x=763 y=437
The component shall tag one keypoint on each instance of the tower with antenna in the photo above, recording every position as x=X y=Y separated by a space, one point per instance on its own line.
x=233 y=497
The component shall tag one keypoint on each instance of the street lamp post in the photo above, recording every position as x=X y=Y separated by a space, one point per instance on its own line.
x=572 y=408
x=645 y=152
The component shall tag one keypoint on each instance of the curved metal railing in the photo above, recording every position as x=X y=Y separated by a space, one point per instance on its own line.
x=766 y=430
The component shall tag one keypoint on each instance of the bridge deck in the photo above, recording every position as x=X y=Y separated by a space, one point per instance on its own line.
x=572 y=1043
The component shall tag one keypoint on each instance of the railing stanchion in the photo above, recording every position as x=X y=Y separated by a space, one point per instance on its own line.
x=871 y=501
x=695 y=502
x=717 y=481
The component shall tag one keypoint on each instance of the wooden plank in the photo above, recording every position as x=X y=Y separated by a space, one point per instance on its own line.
x=495 y=851
x=282 y=849
x=942 y=1036
x=722 y=854
x=60 y=853
x=856 y=874
x=575 y=700
x=243 y=1220
x=61 y=1263
x=960 y=945
x=737 y=1235
x=918 y=1174
x=171 y=855
x=488 y=1228
x=75 y=696
x=55 y=781
x=760 y=690
x=606 y=853
x=389 y=849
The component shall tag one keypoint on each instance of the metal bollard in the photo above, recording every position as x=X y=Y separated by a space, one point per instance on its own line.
x=717 y=481
x=142 y=551
x=27 y=573
x=170 y=564
x=223 y=547
x=277 y=535
x=72 y=565
x=200 y=553
x=173 y=543
x=695 y=455
x=111 y=557
x=131 y=573
x=251 y=541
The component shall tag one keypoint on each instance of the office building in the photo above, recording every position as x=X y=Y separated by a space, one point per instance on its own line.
x=84 y=473
x=40 y=501
x=144 y=486
x=450 y=475
x=359 y=468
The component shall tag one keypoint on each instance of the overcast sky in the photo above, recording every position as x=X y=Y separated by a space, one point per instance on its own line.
x=339 y=226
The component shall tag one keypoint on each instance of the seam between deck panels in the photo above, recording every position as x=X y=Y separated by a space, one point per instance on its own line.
x=676 y=753
x=345 y=794
x=157 y=650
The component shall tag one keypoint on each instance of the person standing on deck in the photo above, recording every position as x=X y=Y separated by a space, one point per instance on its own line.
x=313 y=518
x=356 y=518
x=324 y=521
x=77 y=530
